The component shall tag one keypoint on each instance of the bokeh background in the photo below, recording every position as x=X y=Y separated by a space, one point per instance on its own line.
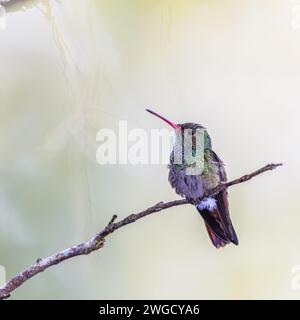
x=69 y=68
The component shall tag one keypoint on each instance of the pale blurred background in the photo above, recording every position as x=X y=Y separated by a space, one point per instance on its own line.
x=69 y=68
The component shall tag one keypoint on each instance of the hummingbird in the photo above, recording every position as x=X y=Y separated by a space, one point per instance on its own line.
x=194 y=170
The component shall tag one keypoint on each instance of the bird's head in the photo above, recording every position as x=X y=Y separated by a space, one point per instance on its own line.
x=189 y=133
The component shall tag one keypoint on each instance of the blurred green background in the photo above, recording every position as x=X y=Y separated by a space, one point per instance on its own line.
x=69 y=68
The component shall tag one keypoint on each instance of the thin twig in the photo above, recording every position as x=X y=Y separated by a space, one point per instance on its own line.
x=98 y=240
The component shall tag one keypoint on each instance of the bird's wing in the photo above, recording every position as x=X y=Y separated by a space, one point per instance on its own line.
x=222 y=203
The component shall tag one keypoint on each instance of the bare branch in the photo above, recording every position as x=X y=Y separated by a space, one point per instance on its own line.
x=98 y=240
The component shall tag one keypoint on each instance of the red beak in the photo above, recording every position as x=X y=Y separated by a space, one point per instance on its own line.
x=172 y=124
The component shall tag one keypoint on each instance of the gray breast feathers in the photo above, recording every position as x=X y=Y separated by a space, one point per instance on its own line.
x=189 y=186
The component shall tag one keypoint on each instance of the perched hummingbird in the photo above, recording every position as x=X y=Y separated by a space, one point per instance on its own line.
x=214 y=210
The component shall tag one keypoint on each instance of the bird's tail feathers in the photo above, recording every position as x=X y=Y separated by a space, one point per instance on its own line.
x=220 y=233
